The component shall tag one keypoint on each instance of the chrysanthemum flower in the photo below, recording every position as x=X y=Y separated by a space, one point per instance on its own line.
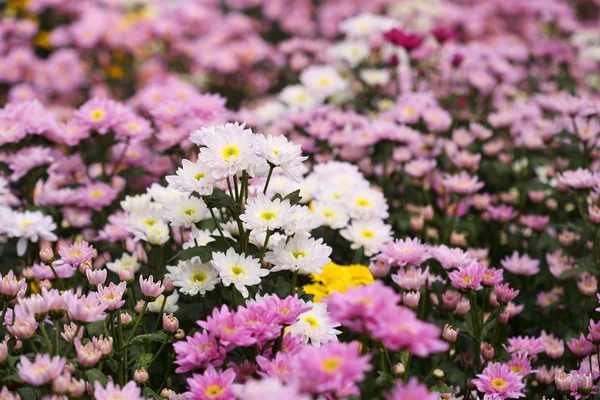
x=498 y=382
x=194 y=277
x=238 y=270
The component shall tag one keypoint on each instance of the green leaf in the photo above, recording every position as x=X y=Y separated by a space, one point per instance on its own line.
x=95 y=329
x=204 y=252
x=28 y=393
x=95 y=375
x=220 y=199
x=293 y=197
x=144 y=361
x=12 y=378
x=147 y=392
x=152 y=337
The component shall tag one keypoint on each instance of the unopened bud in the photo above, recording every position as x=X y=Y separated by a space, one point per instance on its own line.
x=45 y=284
x=450 y=334
x=126 y=319
x=139 y=306
x=85 y=266
x=168 y=285
x=180 y=334
x=411 y=299
x=141 y=376
x=126 y=275
x=438 y=373
x=487 y=351
x=398 y=369
x=46 y=254
x=170 y=323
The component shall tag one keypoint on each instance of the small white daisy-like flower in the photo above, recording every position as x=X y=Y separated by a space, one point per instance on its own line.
x=375 y=77
x=199 y=237
x=298 y=98
x=238 y=270
x=370 y=234
x=330 y=214
x=156 y=234
x=29 y=226
x=263 y=214
x=139 y=202
x=301 y=253
x=193 y=277
x=231 y=149
x=366 y=204
x=170 y=306
x=351 y=52
x=269 y=111
x=282 y=153
x=186 y=211
x=163 y=195
x=322 y=80
x=258 y=239
x=365 y=25
x=301 y=220
x=125 y=262
x=192 y=177
x=315 y=325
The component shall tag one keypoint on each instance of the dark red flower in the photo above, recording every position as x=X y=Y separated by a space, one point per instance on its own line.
x=443 y=34
x=409 y=41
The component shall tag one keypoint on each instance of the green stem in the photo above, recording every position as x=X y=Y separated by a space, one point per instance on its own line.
x=406 y=368
x=45 y=335
x=164 y=343
x=234 y=305
x=294 y=279
x=263 y=250
x=137 y=322
x=160 y=313
x=72 y=343
x=271 y=168
x=56 y=329
x=218 y=225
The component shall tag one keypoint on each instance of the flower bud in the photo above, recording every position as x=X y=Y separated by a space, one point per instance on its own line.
x=462 y=307
x=487 y=351
x=563 y=381
x=69 y=367
x=45 y=284
x=438 y=373
x=450 y=299
x=170 y=323
x=85 y=266
x=139 y=306
x=96 y=277
x=60 y=385
x=180 y=334
x=411 y=299
x=584 y=384
x=126 y=275
x=398 y=369
x=76 y=388
x=46 y=254
x=169 y=287
x=503 y=317
x=141 y=376
x=126 y=319
x=450 y=334
x=417 y=223
x=379 y=269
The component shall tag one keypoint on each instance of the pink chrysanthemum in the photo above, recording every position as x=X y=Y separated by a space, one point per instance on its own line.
x=403 y=252
x=212 y=385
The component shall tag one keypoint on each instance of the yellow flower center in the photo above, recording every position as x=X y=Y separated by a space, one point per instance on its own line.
x=268 y=215
x=498 y=383
x=275 y=151
x=199 y=176
x=198 y=277
x=97 y=115
x=230 y=152
x=367 y=233
x=331 y=364
x=213 y=391
x=312 y=322
x=516 y=369
x=298 y=253
x=328 y=214
x=467 y=279
x=362 y=202
x=97 y=193
x=323 y=81
x=149 y=221
x=410 y=111
x=189 y=212
x=237 y=270
x=300 y=97
x=133 y=126
x=26 y=223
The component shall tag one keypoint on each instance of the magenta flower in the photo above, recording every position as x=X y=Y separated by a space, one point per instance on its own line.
x=468 y=277
x=212 y=384
x=227 y=327
x=150 y=289
x=112 y=391
x=578 y=179
x=504 y=293
x=76 y=253
x=527 y=344
x=280 y=367
x=97 y=195
x=521 y=265
x=331 y=368
x=42 y=370
x=492 y=276
x=498 y=382
x=410 y=41
x=502 y=213
x=284 y=311
x=112 y=295
x=403 y=252
x=450 y=257
x=10 y=286
x=412 y=390
x=197 y=352
x=85 y=309
x=581 y=347
x=411 y=278
x=520 y=364
x=462 y=184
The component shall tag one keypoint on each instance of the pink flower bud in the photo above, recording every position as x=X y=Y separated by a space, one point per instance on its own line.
x=379 y=269
x=87 y=355
x=450 y=334
x=150 y=289
x=76 y=388
x=126 y=275
x=458 y=239
x=126 y=319
x=45 y=284
x=170 y=323
x=69 y=367
x=563 y=381
x=96 y=277
x=46 y=254
x=487 y=351
x=169 y=287
x=450 y=299
x=417 y=222
x=139 y=306
x=60 y=385
x=503 y=317
x=398 y=369
x=85 y=266
x=140 y=376
x=411 y=299
x=428 y=213
x=462 y=307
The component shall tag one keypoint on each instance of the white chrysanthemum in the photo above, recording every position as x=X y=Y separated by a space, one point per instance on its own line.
x=280 y=184
x=170 y=306
x=199 y=237
x=366 y=204
x=125 y=262
x=370 y=234
x=163 y=195
x=301 y=253
x=186 y=211
x=315 y=326
x=193 y=277
x=156 y=234
x=136 y=203
x=282 y=153
x=231 y=229
x=270 y=111
x=238 y=270
x=192 y=177
x=298 y=98
x=376 y=77
x=258 y=239
x=332 y=193
x=351 y=52
x=330 y=214
x=197 y=137
x=322 y=80
x=365 y=25
x=29 y=226
x=231 y=149
x=263 y=213
x=308 y=188
x=301 y=220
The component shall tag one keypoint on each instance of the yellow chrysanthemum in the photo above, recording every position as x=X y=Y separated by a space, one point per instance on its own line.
x=337 y=278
